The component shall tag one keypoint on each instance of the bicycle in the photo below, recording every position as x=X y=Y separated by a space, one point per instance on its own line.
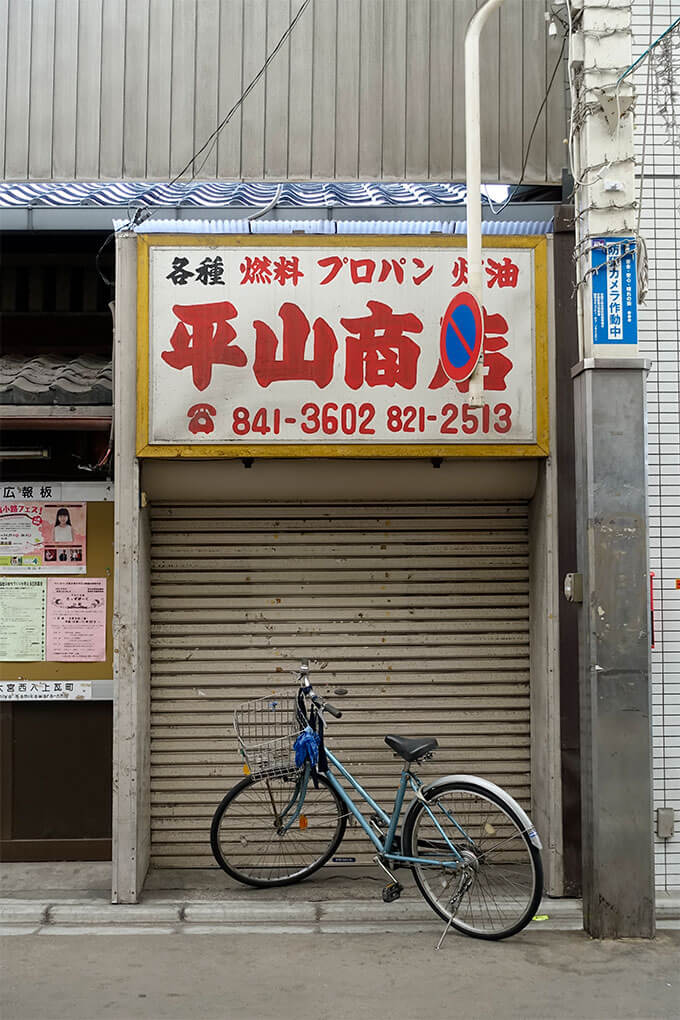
x=472 y=849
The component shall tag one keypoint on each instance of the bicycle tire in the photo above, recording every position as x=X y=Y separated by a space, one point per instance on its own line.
x=506 y=867
x=245 y=840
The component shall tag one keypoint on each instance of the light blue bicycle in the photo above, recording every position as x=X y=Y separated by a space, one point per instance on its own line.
x=473 y=850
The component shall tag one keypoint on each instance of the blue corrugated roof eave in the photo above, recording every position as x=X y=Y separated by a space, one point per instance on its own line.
x=502 y=228
x=309 y=207
x=226 y=194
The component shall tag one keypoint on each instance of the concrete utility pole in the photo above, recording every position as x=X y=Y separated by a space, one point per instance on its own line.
x=609 y=398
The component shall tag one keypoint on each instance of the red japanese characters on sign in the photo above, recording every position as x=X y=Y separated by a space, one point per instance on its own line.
x=298 y=346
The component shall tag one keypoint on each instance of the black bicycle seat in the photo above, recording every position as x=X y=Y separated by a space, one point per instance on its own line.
x=411 y=748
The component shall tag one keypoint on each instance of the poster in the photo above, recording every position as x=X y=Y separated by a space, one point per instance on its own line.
x=46 y=538
x=22 y=611
x=76 y=619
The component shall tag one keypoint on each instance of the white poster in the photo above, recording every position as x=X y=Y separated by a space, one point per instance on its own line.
x=282 y=344
x=22 y=612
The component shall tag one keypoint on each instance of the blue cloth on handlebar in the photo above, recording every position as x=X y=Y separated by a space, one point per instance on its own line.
x=306 y=747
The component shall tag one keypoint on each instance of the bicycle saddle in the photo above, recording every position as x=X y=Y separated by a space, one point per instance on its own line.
x=411 y=748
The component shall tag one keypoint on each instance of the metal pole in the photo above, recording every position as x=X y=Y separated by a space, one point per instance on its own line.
x=473 y=162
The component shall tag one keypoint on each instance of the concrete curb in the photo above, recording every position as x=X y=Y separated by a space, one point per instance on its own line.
x=94 y=915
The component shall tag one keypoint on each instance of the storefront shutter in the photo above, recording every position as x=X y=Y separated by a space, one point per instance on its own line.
x=420 y=611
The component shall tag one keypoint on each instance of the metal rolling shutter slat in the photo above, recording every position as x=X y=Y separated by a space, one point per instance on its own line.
x=240 y=594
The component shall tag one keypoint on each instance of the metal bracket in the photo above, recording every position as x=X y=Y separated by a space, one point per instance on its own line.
x=665 y=822
x=613 y=109
x=573 y=587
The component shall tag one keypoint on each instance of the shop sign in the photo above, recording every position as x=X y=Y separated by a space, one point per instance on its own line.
x=40 y=537
x=278 y=344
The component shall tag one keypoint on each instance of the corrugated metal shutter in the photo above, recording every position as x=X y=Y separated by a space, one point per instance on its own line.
x=421 y=611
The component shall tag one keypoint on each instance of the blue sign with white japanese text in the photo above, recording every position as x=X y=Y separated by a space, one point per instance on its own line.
x=614 y=285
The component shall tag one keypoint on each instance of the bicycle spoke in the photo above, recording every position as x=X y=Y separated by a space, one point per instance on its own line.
x=252 y=839
x=497 y=859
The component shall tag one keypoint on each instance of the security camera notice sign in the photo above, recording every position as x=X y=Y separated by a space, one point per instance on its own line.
x=614 y=289
x=282 y=341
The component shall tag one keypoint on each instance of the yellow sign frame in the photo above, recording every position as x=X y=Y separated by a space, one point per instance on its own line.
x=540 y=448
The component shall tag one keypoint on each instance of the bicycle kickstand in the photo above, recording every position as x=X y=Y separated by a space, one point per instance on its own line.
x=454 y=903
x=444 y=934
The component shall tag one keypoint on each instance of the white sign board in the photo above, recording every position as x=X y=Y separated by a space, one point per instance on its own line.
x=62 y=492
x=46 y=690
x=272 y=343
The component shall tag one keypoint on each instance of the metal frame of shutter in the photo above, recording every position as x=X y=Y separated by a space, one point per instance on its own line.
x=421 y=611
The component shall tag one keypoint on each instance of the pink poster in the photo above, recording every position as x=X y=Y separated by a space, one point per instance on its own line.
x=76 y=619
x=43 y=537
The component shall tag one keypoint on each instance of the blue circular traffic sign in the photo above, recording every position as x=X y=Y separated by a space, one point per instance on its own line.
x=460 y=341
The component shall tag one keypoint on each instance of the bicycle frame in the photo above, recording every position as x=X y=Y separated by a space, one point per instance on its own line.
x=384 y=848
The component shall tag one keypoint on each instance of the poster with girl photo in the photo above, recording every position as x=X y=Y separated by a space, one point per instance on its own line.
x=64 y=529
x=46 y=538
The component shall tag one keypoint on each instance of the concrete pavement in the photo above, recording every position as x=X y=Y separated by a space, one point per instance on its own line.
x=537 y=974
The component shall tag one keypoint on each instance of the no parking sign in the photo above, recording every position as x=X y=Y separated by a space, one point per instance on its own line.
x=461 y=337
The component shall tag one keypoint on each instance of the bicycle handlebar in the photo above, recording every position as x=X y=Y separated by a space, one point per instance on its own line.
x=319 y=702
x=334 y=711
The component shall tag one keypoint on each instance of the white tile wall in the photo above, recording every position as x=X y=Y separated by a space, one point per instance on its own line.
x=659 y=333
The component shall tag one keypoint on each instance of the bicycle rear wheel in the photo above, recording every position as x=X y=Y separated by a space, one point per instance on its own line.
x=497 y=891
x=246 y=833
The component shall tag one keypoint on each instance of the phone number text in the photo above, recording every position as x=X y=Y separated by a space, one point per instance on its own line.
x=331 y=419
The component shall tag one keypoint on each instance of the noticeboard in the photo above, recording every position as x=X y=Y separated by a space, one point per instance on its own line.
x=318 y=346
x=30 y=666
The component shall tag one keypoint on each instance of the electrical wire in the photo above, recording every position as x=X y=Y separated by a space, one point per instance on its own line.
x=143 y=211
x=652 y=45
x=98 y=261
x=499 y=209
x=579 y=180
x=642 y=263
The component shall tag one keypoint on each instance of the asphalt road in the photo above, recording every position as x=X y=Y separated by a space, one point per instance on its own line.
x=537 y=974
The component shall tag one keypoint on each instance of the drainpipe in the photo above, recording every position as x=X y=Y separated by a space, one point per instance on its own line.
x=473 y=171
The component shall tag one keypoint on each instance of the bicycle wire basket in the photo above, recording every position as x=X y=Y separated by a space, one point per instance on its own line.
x=266 y=730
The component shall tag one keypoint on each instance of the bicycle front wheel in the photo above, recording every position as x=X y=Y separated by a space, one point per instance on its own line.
x=497 y=888
x=247 y=837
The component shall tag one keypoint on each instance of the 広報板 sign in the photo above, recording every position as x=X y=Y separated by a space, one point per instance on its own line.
x=264 y=344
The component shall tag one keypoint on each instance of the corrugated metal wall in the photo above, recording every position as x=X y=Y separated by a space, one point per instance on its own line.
x=365 y=89
x=422 y=612
x=659 y=329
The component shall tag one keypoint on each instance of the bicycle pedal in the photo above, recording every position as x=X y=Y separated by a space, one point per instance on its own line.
x=392 y=892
